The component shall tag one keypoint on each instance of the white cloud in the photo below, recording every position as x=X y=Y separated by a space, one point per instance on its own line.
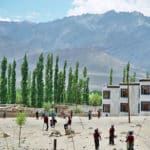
x=9 y=20
x=32 y=17
x=101 y=6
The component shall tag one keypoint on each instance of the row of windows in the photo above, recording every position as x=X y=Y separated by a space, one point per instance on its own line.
x=106 y=94
x=145 y=106
x=145 y=90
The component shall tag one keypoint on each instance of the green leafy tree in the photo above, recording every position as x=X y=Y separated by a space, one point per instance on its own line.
x=56 y=80
x=33 y=90
x=3 y=85
x=87 y=90
x=49 y=79
x=13 y=83
x=24 y=81
x=64 y=83
x=95 y=99
x=80 y=91
x=147 y=75
x=29 y=88
x=69 y=88
x=40 y=83
x=85 y=87
x=127 y=72
x=124 y=75
x=60 y=88
x=75 y=83
x=9 y=84
x=20 y=120
x=133 y=78
x=111 y=77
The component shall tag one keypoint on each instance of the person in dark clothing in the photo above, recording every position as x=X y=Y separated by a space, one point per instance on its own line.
x=99 y=113
x=37 y=115
x=90 y=114
x=46 y=122
x=53 y=121
x=130 y=141
x=4 y=114
x=97 y=137
x=69 y=121
x=111 y=135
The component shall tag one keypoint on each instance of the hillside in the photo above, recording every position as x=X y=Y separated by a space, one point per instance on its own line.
x=97 y=41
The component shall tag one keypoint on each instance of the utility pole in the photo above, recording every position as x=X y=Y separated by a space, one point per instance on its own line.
x=128 y=69
x=128 y=105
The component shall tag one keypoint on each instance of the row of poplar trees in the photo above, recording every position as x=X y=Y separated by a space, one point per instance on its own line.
x=126 y=77
x=46 y=83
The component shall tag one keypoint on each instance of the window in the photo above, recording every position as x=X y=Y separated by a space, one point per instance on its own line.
x=124 y=92
x=145 y=106
x=145 y=89
x=106 y=108
x=124 y=107
x=106 y=94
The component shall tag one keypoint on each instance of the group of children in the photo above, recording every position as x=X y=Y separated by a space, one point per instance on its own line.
x=97 y=136
x=129 y=138
x=53 y=120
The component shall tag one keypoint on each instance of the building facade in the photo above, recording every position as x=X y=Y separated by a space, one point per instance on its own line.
x=115 y=99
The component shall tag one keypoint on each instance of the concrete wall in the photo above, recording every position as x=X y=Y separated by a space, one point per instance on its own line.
x=144 y=98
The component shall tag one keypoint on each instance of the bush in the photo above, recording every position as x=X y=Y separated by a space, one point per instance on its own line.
x=77 y=110
x=48 y=106
x=95 y=99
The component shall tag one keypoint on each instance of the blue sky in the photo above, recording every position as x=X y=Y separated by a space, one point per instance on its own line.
x=34 y=10
x=48 y=10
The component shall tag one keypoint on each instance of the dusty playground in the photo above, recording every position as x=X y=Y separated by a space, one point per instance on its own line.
x=35 y=138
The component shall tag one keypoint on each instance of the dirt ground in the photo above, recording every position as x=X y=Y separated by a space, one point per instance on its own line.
x=34 y=136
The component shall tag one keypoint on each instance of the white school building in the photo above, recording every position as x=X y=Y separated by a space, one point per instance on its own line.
x=115 y=98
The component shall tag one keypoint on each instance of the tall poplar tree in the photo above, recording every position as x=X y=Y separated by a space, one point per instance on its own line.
x=29 y=88
x=9 y=84
x=60 y=88
x=124 y=75
x=49 y=79
x=3 y=91
x=33 y=90
x=69 y=88
x=56 y=80
x=84 y=85
x=24 y=81
x=75 y=83
x=13 y=83
x=80 y=91
x=64 y=83
x=147 y=75
x=111 y=76
x=87 y=90
x=40 y=83
x=127 y=72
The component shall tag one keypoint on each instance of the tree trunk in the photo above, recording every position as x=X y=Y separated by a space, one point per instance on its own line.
x=19 y=136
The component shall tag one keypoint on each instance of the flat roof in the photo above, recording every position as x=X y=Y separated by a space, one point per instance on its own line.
x=129 y=84
x=113 y=86
x=144 y=80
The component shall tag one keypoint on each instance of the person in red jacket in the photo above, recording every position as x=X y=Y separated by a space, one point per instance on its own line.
x=111 y=135
x=97 y=137
x=130 y=141
x=46 y=122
